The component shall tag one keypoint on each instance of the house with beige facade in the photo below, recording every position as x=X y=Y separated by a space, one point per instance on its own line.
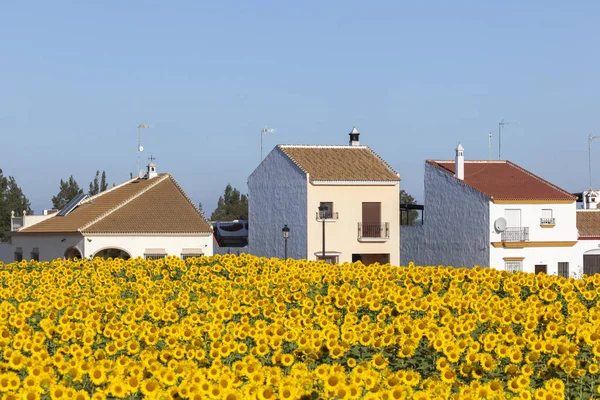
x=493 y=213
x=149 y=217
x=340 y=203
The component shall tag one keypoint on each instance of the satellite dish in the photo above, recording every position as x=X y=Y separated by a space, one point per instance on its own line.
x=500 y=224
x=141 y=148
x=141 y=174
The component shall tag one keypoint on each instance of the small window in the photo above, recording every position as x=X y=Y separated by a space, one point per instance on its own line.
x=186 y=256
x=19 y=254
x=328 y=212
x=329 y=259
x=563 y=269
x=513 y=266
x=547 y=218
x=35 y=254
x=154 y=254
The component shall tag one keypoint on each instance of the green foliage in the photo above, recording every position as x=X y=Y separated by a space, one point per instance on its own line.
x=11 y=199
x=406 y=198
x=232 y=205
x=98 y=184
x=68 y=190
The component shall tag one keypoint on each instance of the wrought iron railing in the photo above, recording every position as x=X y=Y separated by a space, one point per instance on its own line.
x=373 y=230
x=512 y=234
x=326 y=215
x=547 y=221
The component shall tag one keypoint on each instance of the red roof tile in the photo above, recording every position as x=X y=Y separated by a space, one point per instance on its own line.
x=588 y=222
x=503 y=180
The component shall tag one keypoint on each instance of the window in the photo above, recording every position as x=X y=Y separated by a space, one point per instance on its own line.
x=563 y=269
x=154 y=254
x=19 y=254
x=35 y=254
x=547 y=218
x=328 y=213
x=513 y=266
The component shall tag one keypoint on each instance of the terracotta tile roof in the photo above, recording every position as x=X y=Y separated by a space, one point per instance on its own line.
x=503 y=180
x=138 y=206
x=340 y=163
x=588 y=222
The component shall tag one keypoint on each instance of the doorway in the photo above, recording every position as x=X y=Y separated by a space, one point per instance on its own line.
x=541 y=269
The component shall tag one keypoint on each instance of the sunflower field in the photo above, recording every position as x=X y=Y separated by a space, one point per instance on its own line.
x=227 y=327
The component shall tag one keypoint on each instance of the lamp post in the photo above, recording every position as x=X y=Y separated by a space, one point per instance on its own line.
x=322 y=210
x=285 y=232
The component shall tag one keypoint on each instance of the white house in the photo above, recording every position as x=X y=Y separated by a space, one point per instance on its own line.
x=148 y=217
x=493 y=213
x=588 y=227
x=340 y=203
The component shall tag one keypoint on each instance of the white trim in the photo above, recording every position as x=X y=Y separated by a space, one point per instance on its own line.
x=356 y=183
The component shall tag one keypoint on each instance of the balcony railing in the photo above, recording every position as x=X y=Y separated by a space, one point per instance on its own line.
x=515 y=235
x=326 y=215
x=368 y=230
x=547 y=221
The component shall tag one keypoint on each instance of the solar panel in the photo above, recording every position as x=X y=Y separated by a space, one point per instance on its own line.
x=71 y=205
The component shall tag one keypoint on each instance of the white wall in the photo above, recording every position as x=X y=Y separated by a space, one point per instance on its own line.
x=565 y=230
x=6 y=252
x=50 y=246
x=137 y=245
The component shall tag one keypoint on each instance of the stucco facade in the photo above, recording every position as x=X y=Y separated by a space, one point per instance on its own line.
x=455 y=229
x=341 y=234
x=547 y=244
x=277 y=196
x=50 y=247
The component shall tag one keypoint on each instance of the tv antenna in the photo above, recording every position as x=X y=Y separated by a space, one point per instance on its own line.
x=263 y=132
x=500 y=126
x=490 y=146
x=140 y=147
x=591 y=138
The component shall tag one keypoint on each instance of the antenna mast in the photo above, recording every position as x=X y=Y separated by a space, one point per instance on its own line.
x=490 y=146
x=590 y=140
x=500 y=126
x=140 y=148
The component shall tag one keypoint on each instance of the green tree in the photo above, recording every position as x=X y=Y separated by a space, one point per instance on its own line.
x=11 y=199
x=103 y=184
x=406 y=198
x=68 y=190
x=232 y=205
x=98 y=184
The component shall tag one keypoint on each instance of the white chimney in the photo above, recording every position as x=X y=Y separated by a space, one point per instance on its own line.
x=459 y=165
x=151 y=170
x=354 y=137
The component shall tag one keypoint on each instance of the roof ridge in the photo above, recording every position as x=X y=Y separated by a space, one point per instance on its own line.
x=539 y=178
x=191 y=202
x=322 y=146
x=383 y=161
x=282 y=148
x=126 y=201
x=91 y=199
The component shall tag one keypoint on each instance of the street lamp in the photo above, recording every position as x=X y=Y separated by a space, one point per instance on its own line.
x=285 y=232
x=322 y=214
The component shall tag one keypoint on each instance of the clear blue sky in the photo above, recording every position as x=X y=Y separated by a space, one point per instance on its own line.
x=76 y=78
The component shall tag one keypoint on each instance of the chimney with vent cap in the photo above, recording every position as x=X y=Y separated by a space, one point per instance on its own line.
x=459 y=164
x=354 y=137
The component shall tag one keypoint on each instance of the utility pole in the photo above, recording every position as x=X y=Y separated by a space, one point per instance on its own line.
x=591 y=138
x=140 y=147
x=500 y=126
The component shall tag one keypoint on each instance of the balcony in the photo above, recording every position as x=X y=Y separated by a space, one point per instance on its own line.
x=373 y=232
x=512 y=234
x=327 y=216
x=547 y=222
